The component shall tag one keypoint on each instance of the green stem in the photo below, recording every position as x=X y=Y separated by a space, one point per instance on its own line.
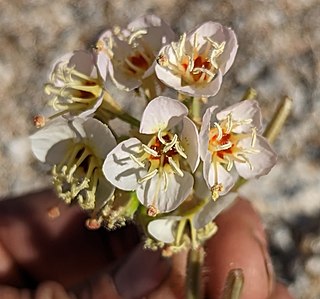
x=234 y=284
x=280 y=116
x=250 y=94
x=194 y=268
x=196 y=110
x=128 y=119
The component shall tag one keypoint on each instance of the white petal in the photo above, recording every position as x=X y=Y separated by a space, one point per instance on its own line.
x=99 y=137
x=154 y=193
x=120 y=169
x=76 y=123
x=120 y=78
x=212 y=209
x=207 y=29
x=91 y=110
x=144 y=22
x=248 y=109
x=53 y=133
x=163 y=229
x=207 y=90
x=230 y=50
x=190 y=142
x=261 y=162
x=225 y=178
x=158 y=32
x=204 y=131
x=104 y=193
x=83 y=62
x=200 y=187
x=162 y=113
x=102 y=62
x=219 y=34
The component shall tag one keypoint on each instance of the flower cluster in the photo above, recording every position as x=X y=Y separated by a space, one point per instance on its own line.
x=168 y=168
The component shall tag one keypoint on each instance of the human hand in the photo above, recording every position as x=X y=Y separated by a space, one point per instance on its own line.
x=59 y=258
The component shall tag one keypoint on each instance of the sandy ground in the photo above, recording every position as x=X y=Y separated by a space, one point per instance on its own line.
x=278 y=55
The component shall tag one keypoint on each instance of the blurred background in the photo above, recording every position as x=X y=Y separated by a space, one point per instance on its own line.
x=278 y=55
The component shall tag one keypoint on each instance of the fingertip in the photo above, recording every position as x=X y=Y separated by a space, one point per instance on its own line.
x=140 y=273
x=240 y=243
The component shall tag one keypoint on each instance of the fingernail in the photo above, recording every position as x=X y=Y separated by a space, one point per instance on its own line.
x=142 y=272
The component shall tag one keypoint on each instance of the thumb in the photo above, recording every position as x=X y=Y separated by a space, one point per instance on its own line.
x=135 y=276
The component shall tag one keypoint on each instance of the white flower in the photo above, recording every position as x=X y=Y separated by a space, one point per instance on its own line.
x=76 y=149
x=156 y=170
x=196 y=63
x=132 y=51
x=75 y=84
x=164 y=229
x=233 y=140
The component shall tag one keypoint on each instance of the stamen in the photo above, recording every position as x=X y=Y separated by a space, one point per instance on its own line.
x=230 y=163
x=170 y=144
x=136 y=34
x=161 y=138
x=135 y=159
x=148 y=176
x=181 y=45
x=175 y=166
x=254 y=137
x=195 y=40
x=229 y=123
x=150 y=151
x=220 y=132
x=166 y=180
x=132 y=66
x=180 y=150
x=223 y=147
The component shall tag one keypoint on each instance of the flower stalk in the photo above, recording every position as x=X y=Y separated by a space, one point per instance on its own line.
x=194 y=270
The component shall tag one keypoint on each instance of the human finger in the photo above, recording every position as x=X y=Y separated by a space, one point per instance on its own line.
x=240 y=243
x=35 y=247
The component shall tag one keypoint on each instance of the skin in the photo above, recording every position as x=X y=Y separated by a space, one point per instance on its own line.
x=48 y=258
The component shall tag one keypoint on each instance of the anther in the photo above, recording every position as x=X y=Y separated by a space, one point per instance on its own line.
x=162 y=60
x=148 y=176
x=39 y=121
x=215 y=191
x=175 y=166
x=152 y=211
